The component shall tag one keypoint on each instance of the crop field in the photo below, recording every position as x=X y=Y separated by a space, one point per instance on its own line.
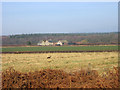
x=60 y=48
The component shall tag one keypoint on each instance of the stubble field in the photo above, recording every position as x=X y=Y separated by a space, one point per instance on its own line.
x=69 y=62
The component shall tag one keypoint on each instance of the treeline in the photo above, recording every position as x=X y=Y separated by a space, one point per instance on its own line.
x=72 y=38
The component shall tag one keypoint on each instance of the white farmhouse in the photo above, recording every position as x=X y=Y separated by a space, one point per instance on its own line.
x=44 y=43
x=59 y=43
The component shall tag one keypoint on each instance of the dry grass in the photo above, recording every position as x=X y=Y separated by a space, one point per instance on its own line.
x=50 y=78
x=69 y=62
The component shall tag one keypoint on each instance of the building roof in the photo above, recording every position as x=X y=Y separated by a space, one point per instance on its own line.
x=64 y=41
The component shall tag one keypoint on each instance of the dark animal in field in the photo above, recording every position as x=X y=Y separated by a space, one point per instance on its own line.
x=48 y=57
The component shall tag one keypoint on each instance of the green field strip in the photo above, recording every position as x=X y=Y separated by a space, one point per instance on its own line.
x=60 y=48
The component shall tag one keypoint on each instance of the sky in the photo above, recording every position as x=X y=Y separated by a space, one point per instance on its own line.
x=59 y=17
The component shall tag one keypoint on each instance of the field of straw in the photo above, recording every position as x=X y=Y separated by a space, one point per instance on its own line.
x=60 y=70
x=69 y=62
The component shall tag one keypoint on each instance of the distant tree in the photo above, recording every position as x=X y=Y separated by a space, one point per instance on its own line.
x=85 y=38
x=29 y=43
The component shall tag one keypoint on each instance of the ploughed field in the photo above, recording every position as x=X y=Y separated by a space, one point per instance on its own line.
x=59 y=48
x=60 y=70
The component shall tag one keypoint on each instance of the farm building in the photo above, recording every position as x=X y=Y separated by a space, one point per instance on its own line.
x=50 y=42
x=64 y=42
x=44 y=43
x=59 y=43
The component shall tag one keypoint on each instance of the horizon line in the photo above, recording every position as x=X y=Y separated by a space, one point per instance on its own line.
x=60 y=33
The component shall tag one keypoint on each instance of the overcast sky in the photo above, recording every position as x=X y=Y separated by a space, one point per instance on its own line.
x=59 y=17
